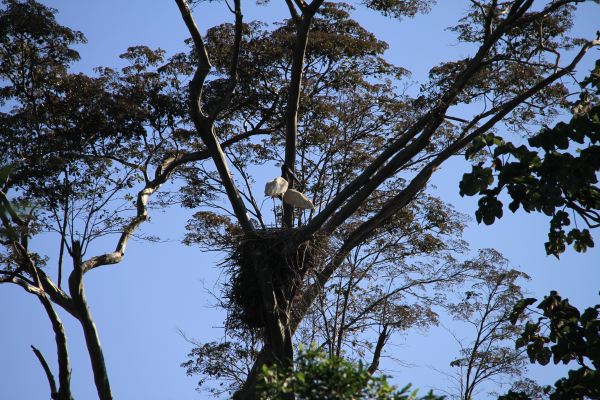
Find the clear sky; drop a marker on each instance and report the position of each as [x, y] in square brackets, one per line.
[140, 303]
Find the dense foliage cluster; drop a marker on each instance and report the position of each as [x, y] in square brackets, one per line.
[317, 376]
[557, 172]
[563, 334]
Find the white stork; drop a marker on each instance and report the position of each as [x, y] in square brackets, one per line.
[297, 199]
[276, 187]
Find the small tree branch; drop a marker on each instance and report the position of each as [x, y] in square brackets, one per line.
[163, 172]
[381, 340]
[47, 371]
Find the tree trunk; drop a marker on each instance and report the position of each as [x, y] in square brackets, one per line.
[64, 366]
[267, 356]
[90, 332]
[278, 344]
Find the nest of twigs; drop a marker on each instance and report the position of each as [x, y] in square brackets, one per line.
[272, 254]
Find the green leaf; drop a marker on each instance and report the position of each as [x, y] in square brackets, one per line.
[519, 308]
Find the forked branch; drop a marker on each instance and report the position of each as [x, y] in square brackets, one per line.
[162, 174]
[420, 180]
[416, 138]
[60, 337]
[205, 125]
[397, 203]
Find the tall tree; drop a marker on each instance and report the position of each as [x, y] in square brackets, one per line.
[76, 146]
[312, 96]
[500, 77]
[487, 306]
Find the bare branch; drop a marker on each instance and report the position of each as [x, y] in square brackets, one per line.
[22, 283]
[64, 366]
[233, 70]
[49, 376]
[162, 174]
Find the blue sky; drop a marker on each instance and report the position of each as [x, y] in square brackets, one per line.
[140, 304]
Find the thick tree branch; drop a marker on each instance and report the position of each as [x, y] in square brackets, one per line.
[418, 183]
[76, 288]
[205, 125]
[294, 91]
[354, 194]
[233, 70]
[63, 227]
[247, 391]
[56, 294]
[60, 337]
[203, 61]
[42, 282]
[293, 12]
[421, 179]
[37, 288]
[22, 283]
[364, 184]
[381, 340]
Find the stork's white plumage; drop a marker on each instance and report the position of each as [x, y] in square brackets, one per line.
[276, 187]
[297, 199]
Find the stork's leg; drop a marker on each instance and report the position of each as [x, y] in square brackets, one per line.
[274, 211]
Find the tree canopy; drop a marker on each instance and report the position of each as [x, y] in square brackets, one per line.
[311, 100]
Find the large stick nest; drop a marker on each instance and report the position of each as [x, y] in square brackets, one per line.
[283, 259]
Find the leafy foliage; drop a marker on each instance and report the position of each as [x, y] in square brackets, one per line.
[527, 389]
[229, 362]
[564, 334]
[556, 173]
[400, 8]
[317, 376]
[349, 110]
[79, 145]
